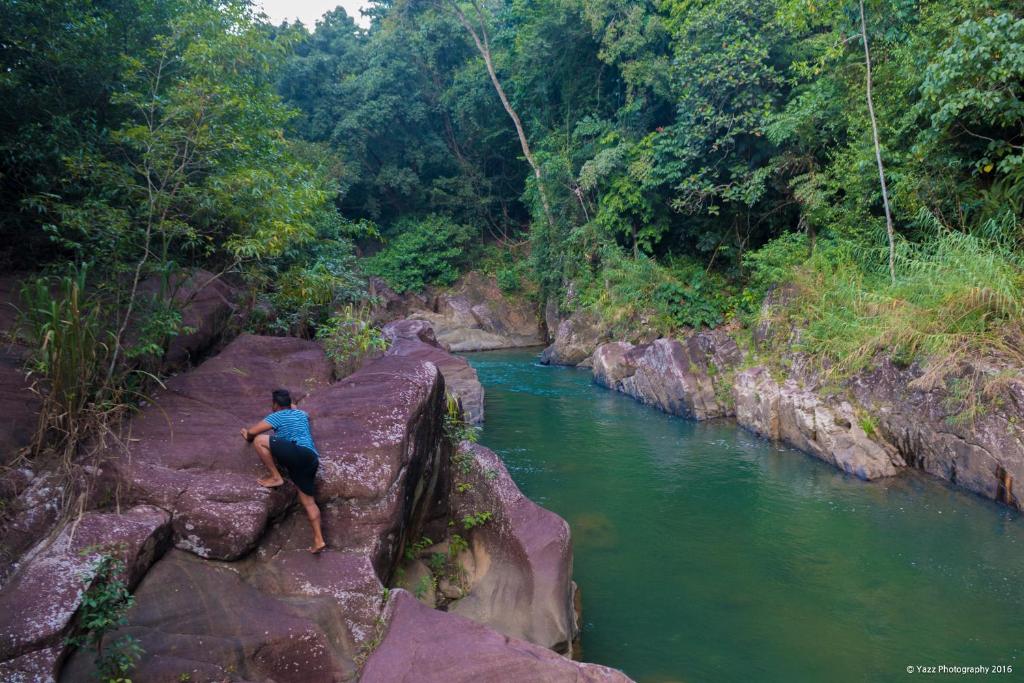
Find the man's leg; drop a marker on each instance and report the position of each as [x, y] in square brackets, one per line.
[262, 445]
[313, 512]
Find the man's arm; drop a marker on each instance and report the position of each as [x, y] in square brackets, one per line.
[250, 433]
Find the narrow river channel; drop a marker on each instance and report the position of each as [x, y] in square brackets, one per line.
[707, 554]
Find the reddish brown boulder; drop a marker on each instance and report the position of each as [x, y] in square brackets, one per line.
[37, 605]
[10, 287]
[277, 612]
[422, 645]
[519, 563]
[206, 622]
[185, 454]
[206, 303]
[415, 339]
[378, 433]
[389, 305]
[19, 406]
[345, 580]
[29, 514]
[38, 666]
[382, 456]
[280, 613]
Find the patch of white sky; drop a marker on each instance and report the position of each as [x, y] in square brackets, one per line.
[309, 11]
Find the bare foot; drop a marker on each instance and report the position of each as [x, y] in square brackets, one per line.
[270, 482]
[317, 548]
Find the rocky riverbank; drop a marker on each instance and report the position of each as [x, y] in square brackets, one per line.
[878, 423]
[224, 588]
[472, 315]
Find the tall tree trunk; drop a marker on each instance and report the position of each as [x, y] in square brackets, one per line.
[483, 46]
[878, 149]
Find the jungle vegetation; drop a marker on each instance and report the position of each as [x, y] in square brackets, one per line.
[664, 163]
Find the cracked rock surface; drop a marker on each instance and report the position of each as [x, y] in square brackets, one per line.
[225, 589]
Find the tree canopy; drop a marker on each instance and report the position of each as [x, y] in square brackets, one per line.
[690, 133]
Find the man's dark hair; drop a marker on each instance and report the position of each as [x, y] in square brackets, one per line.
[282, 398]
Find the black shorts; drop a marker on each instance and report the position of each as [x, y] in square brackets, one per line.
[301, 463]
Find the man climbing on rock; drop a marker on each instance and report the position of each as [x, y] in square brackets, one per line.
[291, 446]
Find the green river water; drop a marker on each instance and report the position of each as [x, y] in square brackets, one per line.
[707, 554]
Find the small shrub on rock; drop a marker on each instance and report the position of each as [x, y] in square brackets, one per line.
[104, 607]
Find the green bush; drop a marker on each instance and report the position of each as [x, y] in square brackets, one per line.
[310, 280]
[105, 604]
[669, 297]
[348, 337]
[508, 263]
[692, 297]
[771, 265]
[426, 251]
[510, 278]
[80, 383]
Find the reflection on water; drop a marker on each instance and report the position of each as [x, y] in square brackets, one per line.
[707, 554]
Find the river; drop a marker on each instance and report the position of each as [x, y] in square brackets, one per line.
[705, 553]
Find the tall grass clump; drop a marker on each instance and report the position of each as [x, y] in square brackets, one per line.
[85, 389]
[72, 347]
[957, 295]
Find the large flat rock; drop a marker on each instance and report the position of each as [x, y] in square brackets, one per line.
[473, 315]
[240, 598]
[280, 613]
[211, 621]
[422, 645]
[184, 452]
[382, 456]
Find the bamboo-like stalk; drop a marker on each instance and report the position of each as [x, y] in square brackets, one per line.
[878, 149]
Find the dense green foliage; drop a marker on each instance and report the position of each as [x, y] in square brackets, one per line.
[423, 251]
[142, 138]
[691, 133]
[692, 155]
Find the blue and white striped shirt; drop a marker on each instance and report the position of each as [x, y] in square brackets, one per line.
[292, 425]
